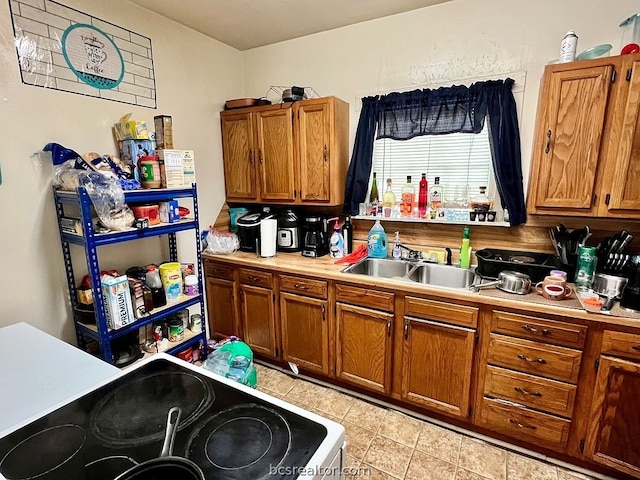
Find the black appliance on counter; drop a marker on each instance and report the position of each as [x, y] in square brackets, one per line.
[249, 229]
[316, 242]
[289, 231]
[228, 433]
[537, 265]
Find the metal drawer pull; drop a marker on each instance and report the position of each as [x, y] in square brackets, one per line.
[521, 356]
[521, 425]
[636, 347]
[524, 391]
[254, 279]
[301, 286]
[544, 331]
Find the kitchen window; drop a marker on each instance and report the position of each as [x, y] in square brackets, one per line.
[487, 106]
[462, 161]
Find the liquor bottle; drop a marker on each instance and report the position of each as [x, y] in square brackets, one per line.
[435, 195]
[374, 196]
[408, 198]
[422, 196]
[347, 234]
[388, 199]
[481, 202]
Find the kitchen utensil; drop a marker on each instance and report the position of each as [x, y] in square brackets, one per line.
[609, 286]
[508, 281]
[595, 52]
[166, 466]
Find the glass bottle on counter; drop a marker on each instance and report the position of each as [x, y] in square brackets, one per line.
[388, 199]
[422, 196]
[481, 202]
[152, 279]
[374, 196]
[407, 198]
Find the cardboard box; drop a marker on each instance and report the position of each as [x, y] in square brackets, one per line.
[188, 167]
[117, 300]
[171, 168]
[131, 151]
[164, 131]
[169, 211]
[127, 129]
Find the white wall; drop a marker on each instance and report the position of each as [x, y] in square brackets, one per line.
[440, 45]
[194, 76]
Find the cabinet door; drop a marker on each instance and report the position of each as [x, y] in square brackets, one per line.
[625, 193]
[615, 416]
[436, 365]
[239, 156]
[221, 308]
[258, 319]
[363, 347]
[275, 154]
[568, 138]
[314, 145]
[305, 332]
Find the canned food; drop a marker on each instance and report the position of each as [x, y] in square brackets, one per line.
[176, 331]
[586, 266]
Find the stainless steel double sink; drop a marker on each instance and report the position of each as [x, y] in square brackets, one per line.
[416, 271]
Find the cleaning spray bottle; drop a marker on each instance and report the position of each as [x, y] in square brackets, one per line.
[336, 242]
[377, 241]
[465, 249]
[397, 250]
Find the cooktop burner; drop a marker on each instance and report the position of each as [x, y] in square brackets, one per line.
[230, 434]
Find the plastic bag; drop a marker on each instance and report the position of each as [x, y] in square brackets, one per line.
[107, 197]
[221, 242]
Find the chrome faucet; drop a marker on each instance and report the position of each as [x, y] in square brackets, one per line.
[411, 254]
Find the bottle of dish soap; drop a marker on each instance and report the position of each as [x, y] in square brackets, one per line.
[397, 250]
[377, 241]
[336, 242]
[465, 249]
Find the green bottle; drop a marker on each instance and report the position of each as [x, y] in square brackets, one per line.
[465, 249]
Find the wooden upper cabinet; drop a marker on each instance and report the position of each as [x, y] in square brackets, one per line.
[568, 138]
[275, 153]
[586, 153]
[291, 153]
[238, 150]
[624, 192]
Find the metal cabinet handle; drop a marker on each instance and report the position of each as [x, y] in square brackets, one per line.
[254, 279]
[521, 425]
[325, 154]
[323, 309]
[301, 286]
[251, 156]
[636, 347]
[531, 329]
[406, 330]
[546, 150]
[388, 328]
[260, 155]
[524, 391]
[521, 356]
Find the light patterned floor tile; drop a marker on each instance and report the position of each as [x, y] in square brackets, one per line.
[462, 474]
[426, 467]
[358, 440]
[367, 472]
[325, 415]
[365, 414]
[305, 394]
[277, 382]
[388, 456]
[520, 467]
[400, 428]
[483, 459]
[439, 442]
[334, 403]
[564, 474]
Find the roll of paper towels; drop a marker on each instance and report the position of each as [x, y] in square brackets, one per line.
[268, 237]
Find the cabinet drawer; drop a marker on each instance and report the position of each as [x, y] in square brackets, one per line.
[541, 329]
[535, 392]
[256, 278]
[538, 358]
[218, 270]
[444, 312]
[305, 286]
[365, 297]
[534, 427]
[621, 344]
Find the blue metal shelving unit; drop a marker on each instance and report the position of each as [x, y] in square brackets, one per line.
[90, 241]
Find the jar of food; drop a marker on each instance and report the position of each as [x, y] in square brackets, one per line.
[176, 331]
[191, 285]
[150, 172]
[195, 323]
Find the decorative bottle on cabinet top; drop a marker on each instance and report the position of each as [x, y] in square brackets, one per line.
[422, 196]
[408, 198]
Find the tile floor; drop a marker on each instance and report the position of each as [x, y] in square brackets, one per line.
[384, 444]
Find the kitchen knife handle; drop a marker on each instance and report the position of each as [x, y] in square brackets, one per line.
[546, 150]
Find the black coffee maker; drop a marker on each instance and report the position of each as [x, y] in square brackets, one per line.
[315, 237]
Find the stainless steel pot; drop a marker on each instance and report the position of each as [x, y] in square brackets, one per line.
[508, 281]
[609, 286]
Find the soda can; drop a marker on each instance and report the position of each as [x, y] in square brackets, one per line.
[586, 266]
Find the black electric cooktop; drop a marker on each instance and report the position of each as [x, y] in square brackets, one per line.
[230, 434]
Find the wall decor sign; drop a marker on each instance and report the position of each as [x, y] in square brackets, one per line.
[61, 48]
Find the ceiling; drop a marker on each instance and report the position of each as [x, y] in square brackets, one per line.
[245, 24]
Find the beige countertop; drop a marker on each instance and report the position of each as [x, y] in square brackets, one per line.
[326, 268]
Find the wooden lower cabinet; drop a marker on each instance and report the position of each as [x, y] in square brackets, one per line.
[436, 366]
[305, 332]
[614, 439]
[364, 347]
[258, 319]
[221, 308]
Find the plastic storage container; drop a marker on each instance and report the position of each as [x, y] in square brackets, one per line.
[377, 241]
[234, 360]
